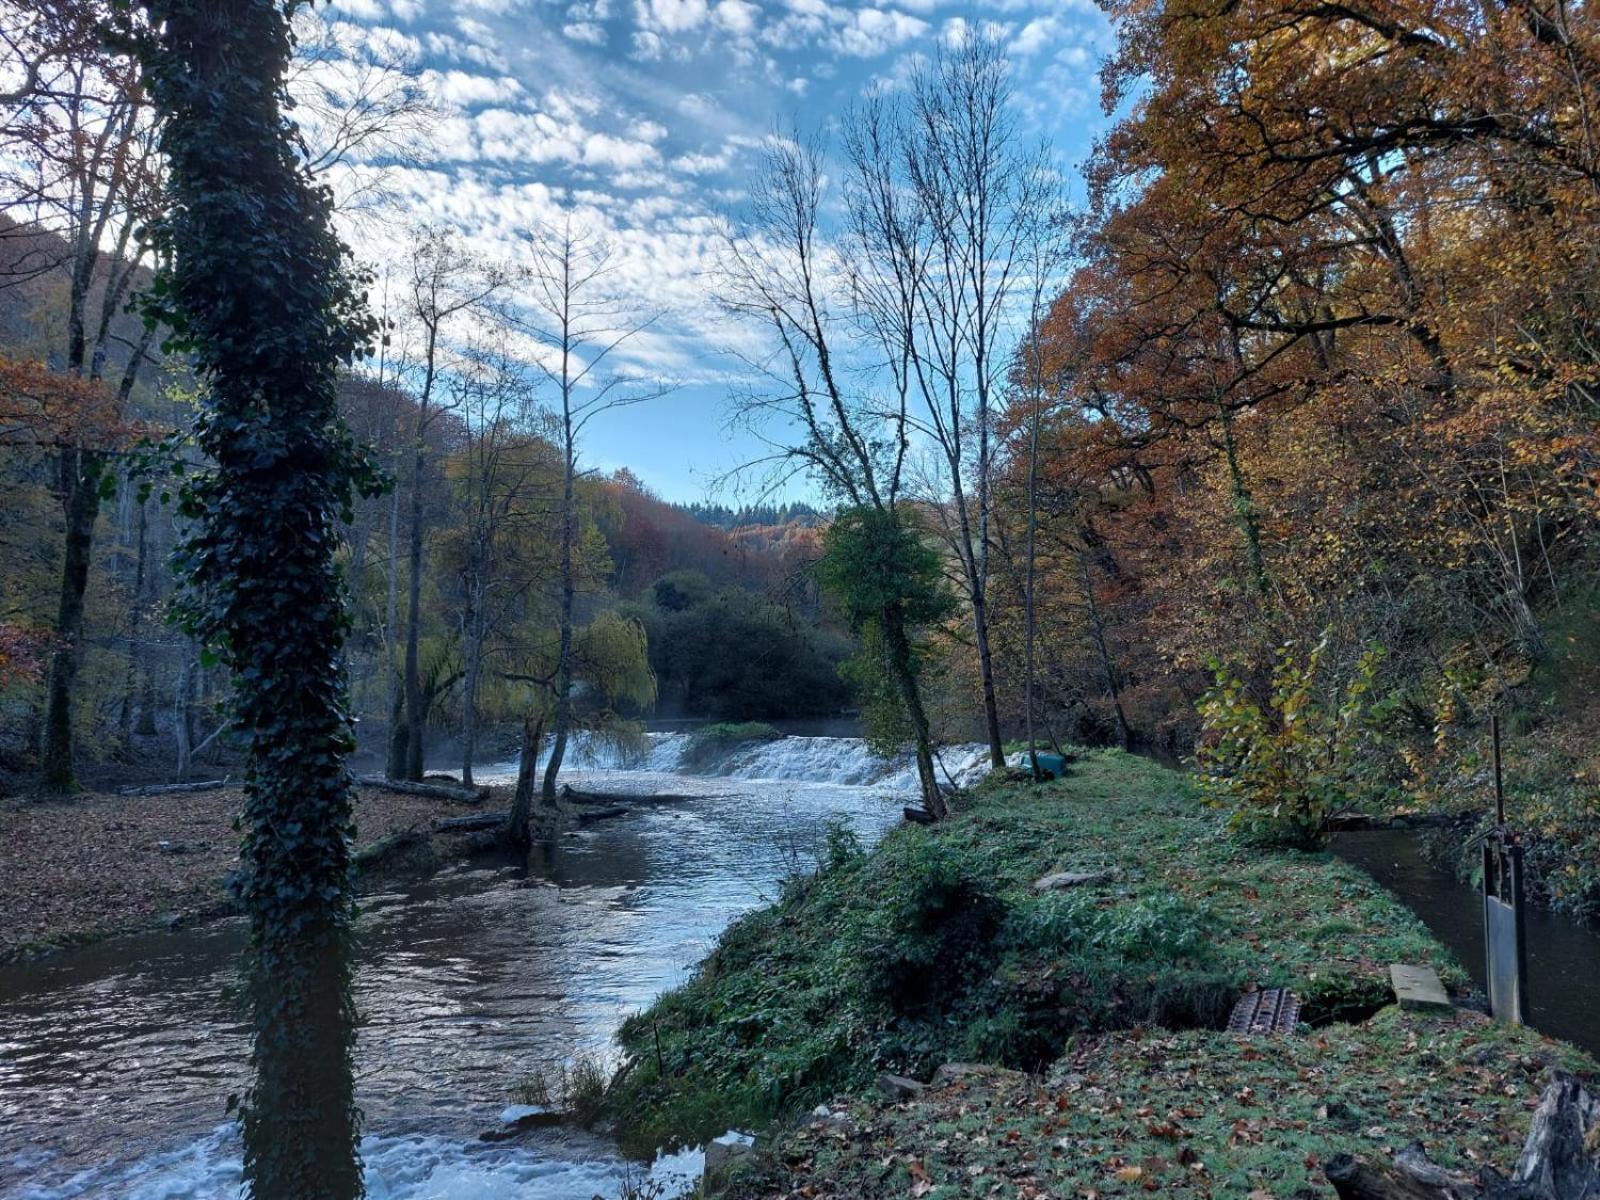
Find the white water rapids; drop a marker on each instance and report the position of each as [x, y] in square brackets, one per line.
[115, 1058]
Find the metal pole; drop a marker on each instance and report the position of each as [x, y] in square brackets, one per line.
[1499, 785]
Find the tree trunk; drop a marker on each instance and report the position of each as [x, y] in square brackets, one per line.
[563, 712]
[1244, 509]
[902, 668]
[130, 689]
[1108, 667]
[991, 706]
[80, 473]
[412, 768]
[517, 827]
[1559, 1161]
[180, 720]
[469, 700]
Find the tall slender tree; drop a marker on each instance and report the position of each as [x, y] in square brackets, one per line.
[260, 294]
[583, 322]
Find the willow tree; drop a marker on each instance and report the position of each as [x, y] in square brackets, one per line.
[259, 293]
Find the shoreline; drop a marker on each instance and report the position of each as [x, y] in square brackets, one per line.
[162, 862]
[1092, 1015]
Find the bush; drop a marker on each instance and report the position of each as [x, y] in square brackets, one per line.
[932, 930]
[709, 741]
[1282, 771]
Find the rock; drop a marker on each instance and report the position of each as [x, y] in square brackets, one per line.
[959, 1072]
[824, 1118]
[723, 1151]
[1072, 879]
[898, 1087]
[519, 1119]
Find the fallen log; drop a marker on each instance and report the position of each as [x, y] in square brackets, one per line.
[1560, 1160]
[573, 796]
[472, 824]
[918, 815]
[434, 791]
[603, 814]
[173, 789]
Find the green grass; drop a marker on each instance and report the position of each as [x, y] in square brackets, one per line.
[935, 948]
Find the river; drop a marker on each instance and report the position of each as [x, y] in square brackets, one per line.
[116, 1058]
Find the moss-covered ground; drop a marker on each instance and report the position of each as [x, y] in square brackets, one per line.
[936, 947]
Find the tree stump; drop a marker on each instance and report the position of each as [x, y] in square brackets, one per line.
[1559, 1161]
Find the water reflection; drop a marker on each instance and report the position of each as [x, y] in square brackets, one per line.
[464, 981]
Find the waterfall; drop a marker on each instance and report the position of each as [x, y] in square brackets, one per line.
[833, 760]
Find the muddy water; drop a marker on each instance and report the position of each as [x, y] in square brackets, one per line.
[115, 1059]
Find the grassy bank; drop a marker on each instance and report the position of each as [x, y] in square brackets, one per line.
[937, 947]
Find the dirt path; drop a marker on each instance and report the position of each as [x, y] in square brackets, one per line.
[97, 864]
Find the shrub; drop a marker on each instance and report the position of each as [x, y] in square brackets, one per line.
[1281, 771]
[932, 930]
[709, 741]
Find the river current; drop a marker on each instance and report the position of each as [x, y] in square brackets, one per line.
[116, 1059]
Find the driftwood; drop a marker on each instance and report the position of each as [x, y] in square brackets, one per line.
[435, 791]
[603, 814]
[1559, 1161]
[173, 789]
[477, 821]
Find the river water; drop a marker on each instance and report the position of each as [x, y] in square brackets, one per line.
[1563, 956]
[116, 1059]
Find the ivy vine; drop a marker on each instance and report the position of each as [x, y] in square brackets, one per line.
[259, 292]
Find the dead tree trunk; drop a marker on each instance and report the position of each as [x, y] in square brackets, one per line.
[1559, 1161]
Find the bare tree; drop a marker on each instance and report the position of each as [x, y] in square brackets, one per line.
[946, 198]
[446, 288]
[363, 112]
[852, 437]
[582, 321]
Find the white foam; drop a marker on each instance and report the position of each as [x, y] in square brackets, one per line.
[397, 1168]
[832, 760]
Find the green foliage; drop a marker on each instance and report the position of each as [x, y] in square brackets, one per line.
[709, 742]
[936, 947]
[875, 561]
[259, 293]
[889, 582]
[732, 655]
[1281, 771]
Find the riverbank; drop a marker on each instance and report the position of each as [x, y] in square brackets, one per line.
[939, 947]
[95, 865]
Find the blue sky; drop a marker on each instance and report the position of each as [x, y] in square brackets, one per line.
[642, 118]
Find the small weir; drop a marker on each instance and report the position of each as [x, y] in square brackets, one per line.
[116, 1058]
[1563, 956]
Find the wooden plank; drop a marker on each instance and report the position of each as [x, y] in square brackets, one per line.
[1417, 987]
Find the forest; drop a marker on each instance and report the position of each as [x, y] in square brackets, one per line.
[1262, 444]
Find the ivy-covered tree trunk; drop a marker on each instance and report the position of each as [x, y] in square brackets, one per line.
[260, 295]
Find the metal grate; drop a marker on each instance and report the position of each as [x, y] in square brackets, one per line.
[1270, 1010]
